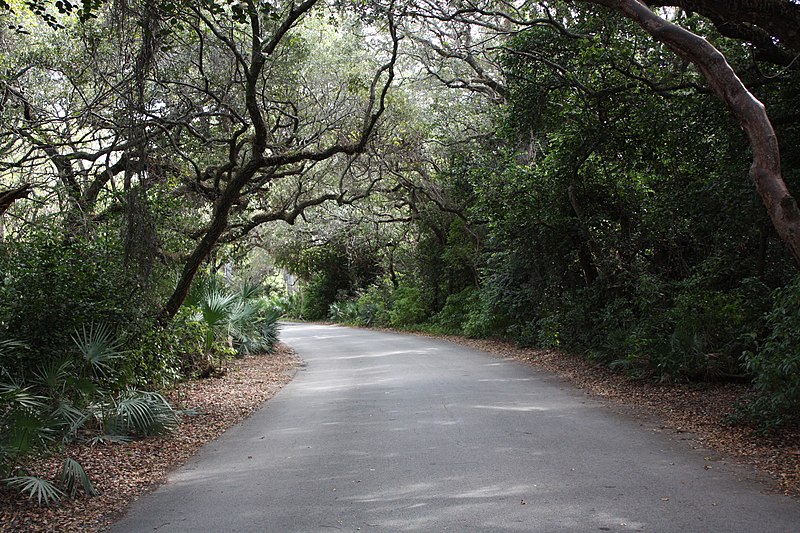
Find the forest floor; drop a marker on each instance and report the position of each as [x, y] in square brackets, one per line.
[123, 472]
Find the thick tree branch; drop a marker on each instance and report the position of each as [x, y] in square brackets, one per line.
[751, 113]
[779, 18]
[262, 159]
[9, 197]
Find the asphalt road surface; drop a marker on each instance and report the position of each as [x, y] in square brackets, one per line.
[387, 432]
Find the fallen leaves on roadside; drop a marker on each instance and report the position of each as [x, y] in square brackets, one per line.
[122, 472]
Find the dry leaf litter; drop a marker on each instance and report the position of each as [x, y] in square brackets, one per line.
[122, 472]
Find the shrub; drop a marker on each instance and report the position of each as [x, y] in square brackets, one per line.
[704, 343]
[51, 289]
[409, 307]
[318, 295]
[548, 330]
[290, 305]
[345, 312]
[679, 331]
[373, 306]
[240, 322]
[454, 314]
[252, 326]
[776, 365]
[162, 353]
[484, 317]
[76, 397]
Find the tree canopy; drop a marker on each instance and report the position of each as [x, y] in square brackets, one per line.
[611, 177]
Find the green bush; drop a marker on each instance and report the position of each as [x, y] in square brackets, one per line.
[408, 307]
[704, 343]
[50, 289]
[776, 365]
[345, 312]
[253, 326]
[454, 314]
[673, 331]
[484, 318]
[163, 353]
[289, 305]
[318, 295]
[241, 322]
[548, 331]
[77, 397]
[699, 335]
[373, 306]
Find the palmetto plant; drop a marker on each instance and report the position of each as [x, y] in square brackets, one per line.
[136, 413]
[258, 333]
[73, 476]
[68, 399]
[346, 312]
[34, 421]
[216, 310]
[244, 319]
[251, 290]
[99, 347]
[24, 421]
[44, 491]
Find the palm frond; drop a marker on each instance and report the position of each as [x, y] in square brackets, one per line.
[201, 288]
[11, 346]
[141, 413]
[54, 375]
[217, 307]
[197, 292]
[14, 395]
[270, 329]
[243, 325]
[246, 312]
[250, 290]
[26, 431]
[73, 476]
[99, 347]
[73, 417]
[35, 487]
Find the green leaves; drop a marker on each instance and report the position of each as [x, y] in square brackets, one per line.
[217, 307]
[53, 375]
[245, 316]
[139, 413]
[45, 492]
[99, 347]
[73, 476]
[18, 396]
[37, 488]
[776, 364]
[69, 399]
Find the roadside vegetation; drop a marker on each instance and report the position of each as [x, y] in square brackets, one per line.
[175, 176]
[599, 203]
[82, 362]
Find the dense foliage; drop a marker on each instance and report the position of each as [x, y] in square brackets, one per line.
[542, 172]
[99, 216]
[608, 212]
[79, 350]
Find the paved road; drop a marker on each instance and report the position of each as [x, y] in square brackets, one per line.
[385, 432]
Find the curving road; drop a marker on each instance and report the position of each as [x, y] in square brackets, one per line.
[387, 432]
